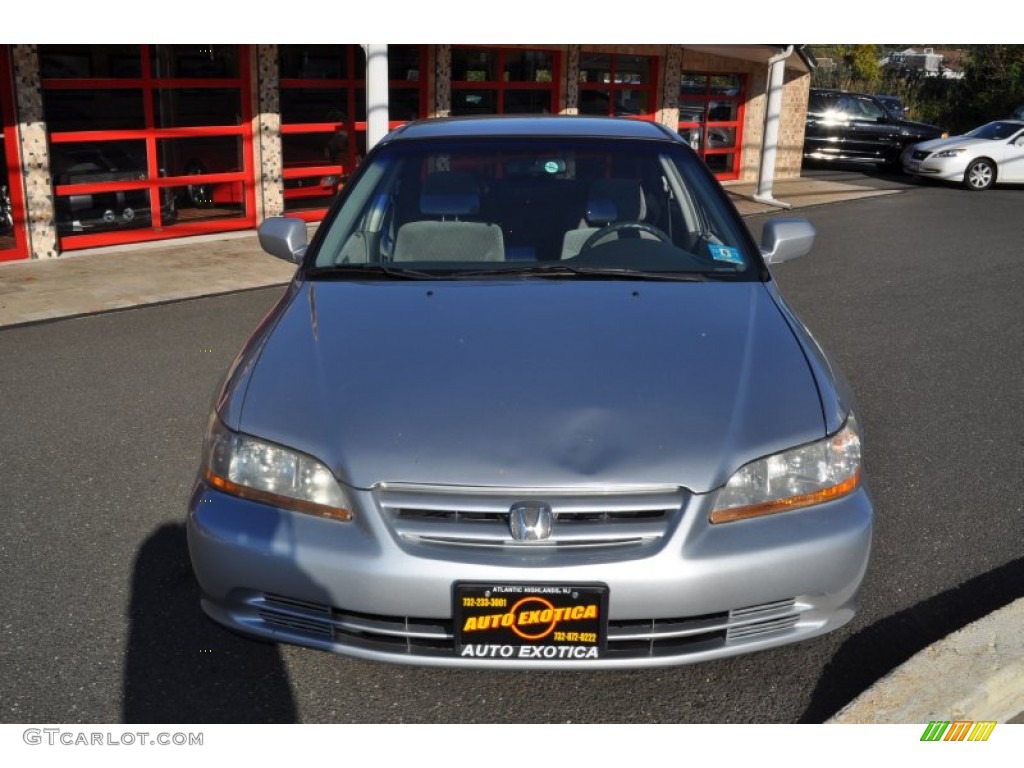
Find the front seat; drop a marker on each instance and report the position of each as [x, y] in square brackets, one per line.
[609, 201]
[448, 197]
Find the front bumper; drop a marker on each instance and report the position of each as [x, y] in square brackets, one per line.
[944, 169]
[379, 591]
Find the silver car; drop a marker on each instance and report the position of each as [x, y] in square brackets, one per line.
[532, 400]
[990, 154]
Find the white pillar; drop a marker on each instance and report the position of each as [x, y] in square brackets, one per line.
[770, 136]
[376, 93]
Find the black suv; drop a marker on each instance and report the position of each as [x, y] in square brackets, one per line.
[856, 127]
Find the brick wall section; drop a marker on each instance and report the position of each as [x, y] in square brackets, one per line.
[789, 156]
[269, 157]
[791, 129]
[35, 153]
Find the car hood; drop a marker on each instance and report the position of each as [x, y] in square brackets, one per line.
[532, 383]
[953, 141]
[920, 129]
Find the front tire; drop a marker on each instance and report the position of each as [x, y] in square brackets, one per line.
[980, 175]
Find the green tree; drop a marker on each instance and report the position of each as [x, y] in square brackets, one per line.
[993, 81]
[852, 67]
[862, 61]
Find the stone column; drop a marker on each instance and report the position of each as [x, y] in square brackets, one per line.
[270, 194]
[668, 114]
[35, 153]
[443, 81]
[572, 80]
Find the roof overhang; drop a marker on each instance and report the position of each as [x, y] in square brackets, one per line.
[801, 58]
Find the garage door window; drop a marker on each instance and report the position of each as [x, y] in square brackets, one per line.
[323, 115]
[615, 84]
[496, 81]
[711, 118]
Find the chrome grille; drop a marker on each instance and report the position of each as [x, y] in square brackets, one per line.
[388, 634]
[627, 639]
[478, 517]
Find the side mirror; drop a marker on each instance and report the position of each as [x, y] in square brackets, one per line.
[785, 239]
[284, 237]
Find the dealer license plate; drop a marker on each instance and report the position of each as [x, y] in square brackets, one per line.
[543, 622]
[913, 166]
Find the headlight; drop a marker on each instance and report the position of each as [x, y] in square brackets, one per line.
[811, 474]
[253, 469]
[950, 152]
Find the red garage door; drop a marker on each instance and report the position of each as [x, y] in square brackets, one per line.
[148, 141]
[13, 243]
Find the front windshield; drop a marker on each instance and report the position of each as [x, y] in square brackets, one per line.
[477, 206]
[997, 131]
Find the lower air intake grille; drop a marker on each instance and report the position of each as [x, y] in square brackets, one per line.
[627, 639]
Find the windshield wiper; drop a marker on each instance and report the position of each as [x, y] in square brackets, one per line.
[383, 271]
[548, 270]
[560, 269]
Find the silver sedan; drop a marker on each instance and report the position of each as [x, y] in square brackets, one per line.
[532, 400]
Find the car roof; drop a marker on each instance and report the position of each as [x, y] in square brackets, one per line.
[566, 126]
[839, 91]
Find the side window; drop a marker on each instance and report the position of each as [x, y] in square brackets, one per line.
[866, 109]
[833, 107]
[849, 108]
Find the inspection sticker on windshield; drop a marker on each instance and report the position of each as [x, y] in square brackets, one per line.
[530, 621]
[725, 253]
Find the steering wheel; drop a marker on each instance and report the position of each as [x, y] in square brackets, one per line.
[618, 226]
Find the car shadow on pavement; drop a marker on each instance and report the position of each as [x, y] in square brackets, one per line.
[183, 668]
[848, 172]
[877, 650]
